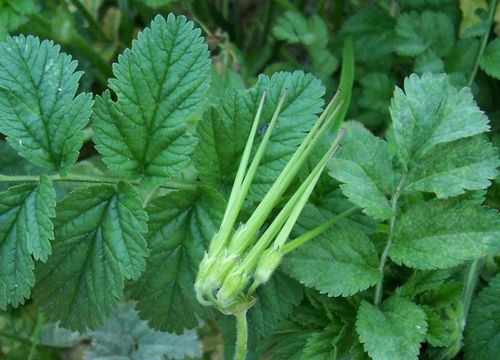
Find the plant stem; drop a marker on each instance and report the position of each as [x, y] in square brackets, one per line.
[394, 206]
[92, 179]
[302, 239]
[94, 26]
[484, 41]
[35, 336]
[470, 285]
[241, 335]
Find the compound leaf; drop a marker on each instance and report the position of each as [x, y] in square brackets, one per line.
[393, 331]
[431, 111]
[363, 165]
[220, 132]
[181, 226]
[125, 336]
[98, 244]
[25, 233]
[452, 168]
[340, 262]
[439, 234]
[482, 334]
[40, 115]
[159, 83]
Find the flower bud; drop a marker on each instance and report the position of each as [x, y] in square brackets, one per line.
[268, 262]
[233, 286]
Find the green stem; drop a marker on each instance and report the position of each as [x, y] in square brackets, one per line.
[93, 56]
[295, 243]
[484, 41]
[241, 336]
[470, 285]
[91, 179]
[94, 26]
[394, 206]
[35, 336]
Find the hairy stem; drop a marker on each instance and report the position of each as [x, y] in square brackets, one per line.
[302, 239]
[484, 41]
[383, 259]
[91, 179]
[241, 335]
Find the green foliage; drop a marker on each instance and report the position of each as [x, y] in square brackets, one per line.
[125, 335]
[398, 238]
[25, 233]
[491, 59]
[340, 263]
[98, 244]
[40, 115]
[181, 225]
[483, 327]
[159, 83]
[394, 331]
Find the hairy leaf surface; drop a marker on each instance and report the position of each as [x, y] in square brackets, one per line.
[364, 166]
[98, 244]
[159, 83]
[452, 168]
[431, 111]
[393, 331]
[39, 113]
[25, 233]
[440, 234]
[340, 262]
[181, 225]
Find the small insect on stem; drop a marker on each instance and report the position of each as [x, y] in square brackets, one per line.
[263, 128]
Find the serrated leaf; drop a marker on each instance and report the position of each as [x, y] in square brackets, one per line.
[431, 111]
[159, 83]
[125, 336]
[181, 225]
[40, 115]
[452, 168]
[98, 244]
[440, 234]
[482, 334]
[341, 262]
[363, 165]
[25, 233]
[490, 60]
[294, 28]
[220, 132]
[393, 331]
[437, 334]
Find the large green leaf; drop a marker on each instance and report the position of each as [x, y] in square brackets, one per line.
[39, 113]
[181, 225]
[125, 336]
[341, 262]
[393, 331]
[431, 111]
[452, 168]
[160, 83]
[223, 130]
[440, 234]
[364, 165]
[482, 334]
[25, 233]
[98, 244]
